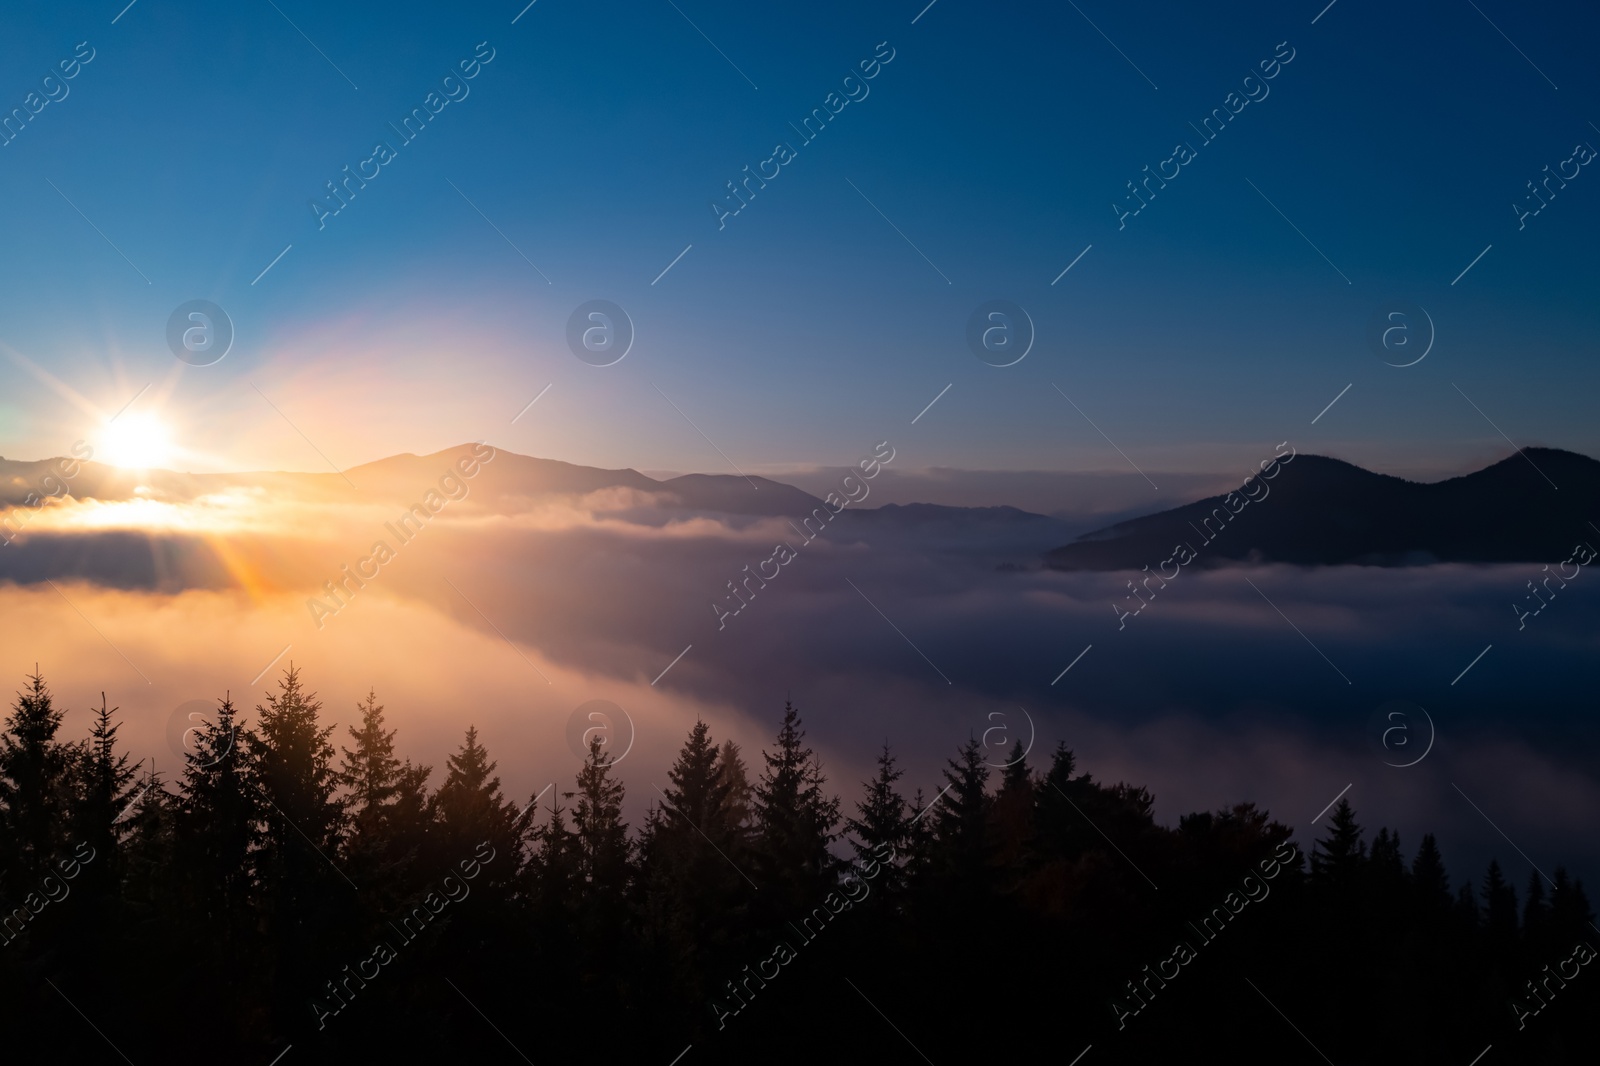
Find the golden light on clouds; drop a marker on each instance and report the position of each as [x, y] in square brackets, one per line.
[436, 673]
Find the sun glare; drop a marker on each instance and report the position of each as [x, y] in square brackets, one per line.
[138, 441]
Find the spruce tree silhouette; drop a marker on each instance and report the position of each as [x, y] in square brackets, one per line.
[1386, 864]
[919, 868]
[230, 898]
[553, 879]
[306, 902]
[218, 826]
[1570, 916]
[102, 792]
[104, 789]
[470, 811]
[553, 889]
[605, 854]
[387, 803]
[797, 822]
[1013, 819]
[735, 776]
[961, 827]
[1059, 824]
[36, 789]
[1337, 859]
[1428, 878]
[882, 821]
[603, 883]
[1500, 915]
[150, 891]
[697, 888]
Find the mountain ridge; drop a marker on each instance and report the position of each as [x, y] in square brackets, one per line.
[1316, 510]
[1319, 511]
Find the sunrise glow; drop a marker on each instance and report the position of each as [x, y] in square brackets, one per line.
[695, 533]
[137, 442]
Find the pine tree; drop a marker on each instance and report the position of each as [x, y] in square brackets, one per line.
[959, 822]
[1337, 859]
[470, 812]
[36, 777]
[307, 901]
[1059, 824]
[1232, 838]
[102, 802]
[919, 866]
[1569, 909]
[1133, 802]
[371, 772]
[104, 797]
[105, 785]
[697, 796]
[1013, 816]
[388, 803]
[553, 887]
[883, 824]
[960, 825]
[883, 819]
[732, 774]
[554, 878]
[604, 851]
[1062, 763]
[217, 828]
[291, 770]
[410, 813]
[797, 820]
[150, 887]
[1428, 877]
[1500, 906]
[1016, 776]
[693, 871]
[1386, 863]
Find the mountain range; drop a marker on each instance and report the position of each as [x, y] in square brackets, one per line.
[1532, 506]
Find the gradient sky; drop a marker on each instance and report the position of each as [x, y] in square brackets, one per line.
[996, 140]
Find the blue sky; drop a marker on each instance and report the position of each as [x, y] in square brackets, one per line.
[1208, 329]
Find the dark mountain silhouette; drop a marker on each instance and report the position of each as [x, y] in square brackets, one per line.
[400, 475]
[508, 483]
[402, 478]
[929, 513]
[989, 536]
[503, 484]
[1533, 506]
[735, 495]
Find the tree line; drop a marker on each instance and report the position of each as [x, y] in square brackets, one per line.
[294, 888]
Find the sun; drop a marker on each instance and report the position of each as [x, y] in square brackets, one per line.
[141, 442]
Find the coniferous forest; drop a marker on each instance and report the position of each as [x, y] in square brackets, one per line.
[298, 893]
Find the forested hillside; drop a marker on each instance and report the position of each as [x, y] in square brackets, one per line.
[300, 891]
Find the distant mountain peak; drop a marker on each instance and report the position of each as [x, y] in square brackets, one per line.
[1531, 506]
